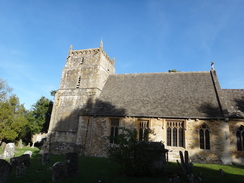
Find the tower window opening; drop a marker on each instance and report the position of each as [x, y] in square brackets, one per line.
[78, 82]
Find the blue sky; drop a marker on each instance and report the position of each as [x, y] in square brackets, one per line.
[142, 35]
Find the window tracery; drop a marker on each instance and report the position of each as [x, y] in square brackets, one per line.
[240, 138]
[204, 136]
[175, 133]
[144, 131]
[114, 131]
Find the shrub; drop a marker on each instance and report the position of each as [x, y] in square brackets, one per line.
[138, 158]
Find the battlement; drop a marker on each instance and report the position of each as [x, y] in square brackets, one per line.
[90, 51]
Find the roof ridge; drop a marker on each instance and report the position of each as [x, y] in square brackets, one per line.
[159, 73]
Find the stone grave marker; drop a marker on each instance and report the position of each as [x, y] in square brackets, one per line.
[20, 164]
[3, 145]
[45, 158]
[9, 150]
[20, 144]
[28, 152]
[72, 164]
[5, 169]
[59, 172]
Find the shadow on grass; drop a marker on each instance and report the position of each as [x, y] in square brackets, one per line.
[92, 169]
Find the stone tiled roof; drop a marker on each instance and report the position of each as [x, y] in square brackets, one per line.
[169, 95]
[234, 99]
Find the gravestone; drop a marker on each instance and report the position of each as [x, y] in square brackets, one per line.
[5, 169]
[3, 145]
[9, 150]
[20, 170]
[20, 144]
[221, 172]
[28, 152]
[23, 159]
[20, 164]
[45, 158]
[72, 164]
[59, 172]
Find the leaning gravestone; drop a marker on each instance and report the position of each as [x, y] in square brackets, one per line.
[3, 145]
[9, 150]
[72, 164]
[5, 169]
[59, 172]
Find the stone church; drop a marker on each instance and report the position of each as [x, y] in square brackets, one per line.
[184, 110]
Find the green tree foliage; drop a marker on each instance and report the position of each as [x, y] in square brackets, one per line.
[18, 123]
[53, 92]
[39, 116]
[4, 90]
[12, 118]
[138, 158]
[173, 70]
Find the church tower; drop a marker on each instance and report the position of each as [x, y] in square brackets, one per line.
[83, 78]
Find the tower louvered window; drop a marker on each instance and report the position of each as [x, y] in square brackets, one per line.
[144, 130]
[204, 135]
[114, 131]
[240, 138]
[175, 133]
[78, 82]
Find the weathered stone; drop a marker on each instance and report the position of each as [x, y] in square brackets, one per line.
[5, 169]
[20, 170]
[72, 164]
[74, 121]
[20, 164]
[45, 158]
[20, 144]
[221, 172]
[83, 79]
[3, 145]
[9, 150]
[20, 160]
[28, 152]
[59, 171]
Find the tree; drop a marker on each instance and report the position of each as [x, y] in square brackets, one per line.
[173, 70]
[12, 118]
[12, 114]
[4, 90]
[39, 116]
[53, 92]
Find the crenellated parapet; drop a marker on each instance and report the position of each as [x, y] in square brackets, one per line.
[92, 51]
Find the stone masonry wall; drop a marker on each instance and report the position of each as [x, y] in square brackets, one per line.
[83, 78]
[219, 145]
[237, 156]
[96, 130]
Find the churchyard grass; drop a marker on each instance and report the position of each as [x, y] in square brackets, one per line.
[92, 169]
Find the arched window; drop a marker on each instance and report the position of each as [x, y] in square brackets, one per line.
[144, 131]
[204, 136]
[175, 133]
[114, 131]
[168, 136]
[240, 138]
